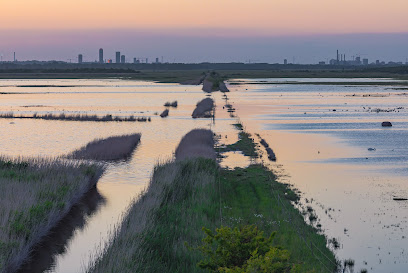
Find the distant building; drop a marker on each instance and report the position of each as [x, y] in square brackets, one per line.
[101, 55]
[377, 62]
[147, 60]
[157, 60]
[118, 57]
[322, 63]
[122, 59]
[109, 61]
[285, 61]
[80, 58]
[358, 60]
[365, 61]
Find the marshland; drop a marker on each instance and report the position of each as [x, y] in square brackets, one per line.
[323, 154]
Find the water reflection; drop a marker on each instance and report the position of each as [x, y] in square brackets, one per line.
[235, 159]
[324, 154]
[43, 256]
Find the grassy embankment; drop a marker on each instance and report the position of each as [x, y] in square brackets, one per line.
[78, 117]
[186, 195]
[111, 148]
[195, 76]
[35, 194]
[214, 82]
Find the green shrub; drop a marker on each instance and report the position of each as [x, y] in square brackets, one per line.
[243, 250]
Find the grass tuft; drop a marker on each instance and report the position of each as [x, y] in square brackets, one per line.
[111, 148]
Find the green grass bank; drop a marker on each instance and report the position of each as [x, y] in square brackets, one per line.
[186, 195]
[35, 194]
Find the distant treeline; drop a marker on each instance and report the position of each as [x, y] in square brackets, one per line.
[61, 67]
[71, 70]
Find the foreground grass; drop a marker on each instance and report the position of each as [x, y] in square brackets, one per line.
[180, 200]
[252, 196]
[34, 195]
[186, 195]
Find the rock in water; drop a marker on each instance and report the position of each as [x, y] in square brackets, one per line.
[165, 113]
[386, 124]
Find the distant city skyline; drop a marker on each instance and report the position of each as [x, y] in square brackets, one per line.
[187, 47]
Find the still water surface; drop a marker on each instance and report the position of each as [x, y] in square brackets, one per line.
[90, 226]
[321, 135]
[323, 153]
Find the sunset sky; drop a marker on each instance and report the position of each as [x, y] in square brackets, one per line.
[25, 25]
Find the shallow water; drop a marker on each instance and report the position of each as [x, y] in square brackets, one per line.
[93, 222]
[324, 154]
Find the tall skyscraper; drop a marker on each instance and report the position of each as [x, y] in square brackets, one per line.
[80, 58]
[118, 57]
[101, 55]
[122, 59]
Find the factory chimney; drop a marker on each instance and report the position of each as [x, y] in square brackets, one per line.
[337, 56]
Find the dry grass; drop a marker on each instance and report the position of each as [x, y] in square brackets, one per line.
[197, 143]
[204, 109]
[78, 117]
[111, 148]
[142, 238]
[35, 194]
[171, 183]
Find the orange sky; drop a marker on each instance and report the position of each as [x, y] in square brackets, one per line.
[266, 16]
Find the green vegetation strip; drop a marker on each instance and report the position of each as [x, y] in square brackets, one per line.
[245, 144]
[163, 227]
[34, 195]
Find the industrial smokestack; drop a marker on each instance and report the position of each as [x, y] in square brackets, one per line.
[14, 57]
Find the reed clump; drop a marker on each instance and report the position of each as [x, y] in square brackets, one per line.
[197, 143]
[35, 194]
[77, 117]
[111, 148]
[204, 109]
[173, 104]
